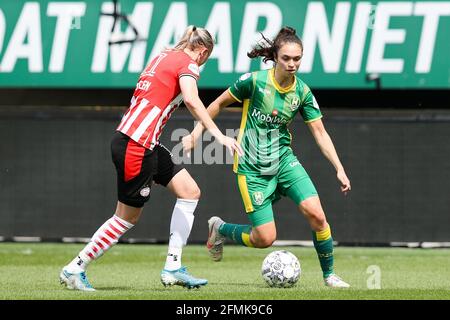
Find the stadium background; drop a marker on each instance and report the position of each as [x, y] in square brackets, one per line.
[380, 72]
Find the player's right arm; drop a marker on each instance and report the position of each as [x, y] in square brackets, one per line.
[189, 90]
[224, 100]
[240, 90]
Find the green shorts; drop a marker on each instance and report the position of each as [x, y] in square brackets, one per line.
[258, 192]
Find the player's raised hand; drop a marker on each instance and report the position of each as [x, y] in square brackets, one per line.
[232, 145]
[188, 144]
[345, 182]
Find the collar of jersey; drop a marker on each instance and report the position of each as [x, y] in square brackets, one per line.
[279, 88]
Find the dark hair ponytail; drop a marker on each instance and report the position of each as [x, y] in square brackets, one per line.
[269, 48]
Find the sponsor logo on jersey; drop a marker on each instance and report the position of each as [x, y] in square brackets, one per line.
[143, 85]
[145, 192]
[272, 119]
[258, 198]
[295, 102]
[194, 68]
[264, 91]
[294, 163]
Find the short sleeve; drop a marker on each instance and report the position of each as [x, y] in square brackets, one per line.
[242, 88]
[310, 110]
[189, 68]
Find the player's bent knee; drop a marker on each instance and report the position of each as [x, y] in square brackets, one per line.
[191, 192]
[321, 223]
[264, 242]
[315, 216]
[195, 193]
[318, 223]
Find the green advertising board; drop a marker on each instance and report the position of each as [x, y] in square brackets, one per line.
[61, 44]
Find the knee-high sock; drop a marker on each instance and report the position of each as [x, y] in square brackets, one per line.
[323, 242]
[102, 240]
[180, 229]
[239, 233]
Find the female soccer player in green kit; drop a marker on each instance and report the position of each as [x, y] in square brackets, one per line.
[269, 169]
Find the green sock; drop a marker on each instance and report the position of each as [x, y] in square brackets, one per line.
[239, 233]
[323, 242]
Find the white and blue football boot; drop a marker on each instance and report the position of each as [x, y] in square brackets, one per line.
[75, 281]
[182, 278]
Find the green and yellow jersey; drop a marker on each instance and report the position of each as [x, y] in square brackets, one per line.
[268, 109]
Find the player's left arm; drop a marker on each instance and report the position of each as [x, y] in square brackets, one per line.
[326, 145]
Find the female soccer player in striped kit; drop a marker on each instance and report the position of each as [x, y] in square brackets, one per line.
[139, 158]
[269, 169]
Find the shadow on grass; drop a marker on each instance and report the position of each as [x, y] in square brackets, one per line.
[103, 289]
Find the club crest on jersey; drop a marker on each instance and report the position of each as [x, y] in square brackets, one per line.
[145, 192]
[258, 198]
[295, 102]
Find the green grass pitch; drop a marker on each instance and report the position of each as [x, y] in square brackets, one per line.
[30, 271]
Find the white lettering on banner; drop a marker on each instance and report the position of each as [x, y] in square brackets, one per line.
[173, 27]
[28, 28]
[382, 35]
[431, 10]
[22, 41]
[249, 32]
[2, 29]
[65, 13]
[120, 53]
[331, 43]
[358, 37]
[219, 25]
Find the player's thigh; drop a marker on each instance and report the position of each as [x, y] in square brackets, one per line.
[135, 167]
[175, 177]
[257, 192]
[313, 211]
[294, 182]
[261, 217]
[264, 234]
[183, 186]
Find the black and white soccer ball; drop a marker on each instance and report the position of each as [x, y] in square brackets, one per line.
[281, 269]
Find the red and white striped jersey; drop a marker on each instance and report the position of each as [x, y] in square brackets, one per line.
[156, 96]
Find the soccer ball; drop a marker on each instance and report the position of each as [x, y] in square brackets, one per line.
[281, 269]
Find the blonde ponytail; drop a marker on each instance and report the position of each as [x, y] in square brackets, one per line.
[195, 37]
